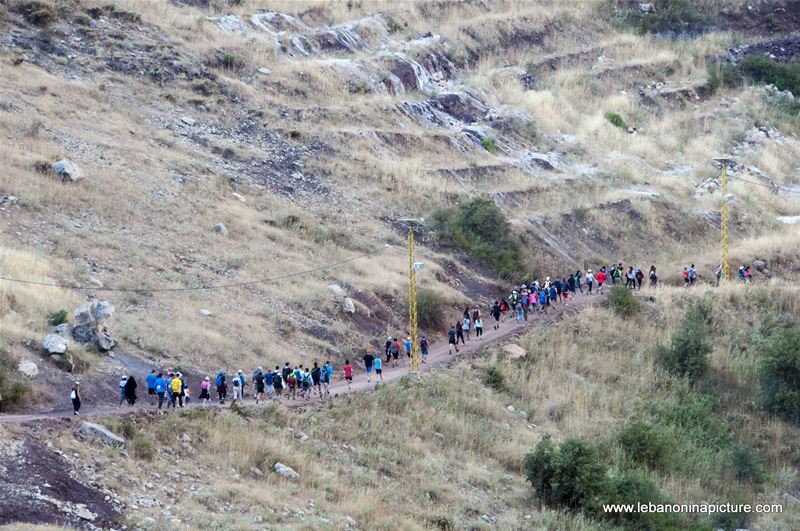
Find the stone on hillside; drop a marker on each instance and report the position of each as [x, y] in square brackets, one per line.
[67, 170]
[187, 120]
[555, 411]
[90, 324]
[84, 514]
[55, 344]
[759, 265]
[240, 197]
[514, 351]
[206, 313]
[64, 330]
[285, 471]
[105, 435]
[220, 228]
[264, 71]
[348, 305]
[301, 436]
[789, 220]
[9, 200]
[338, 291]
[28, 368]
[256, 472]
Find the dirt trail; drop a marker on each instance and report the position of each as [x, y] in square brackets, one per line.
[438, 357]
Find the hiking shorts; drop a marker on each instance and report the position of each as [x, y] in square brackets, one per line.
[151, 391]
[378, 371]
[369, 368]
[395, 355]
[348, 378]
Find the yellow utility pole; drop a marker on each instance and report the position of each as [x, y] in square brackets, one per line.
[723, 225]
[412, 304]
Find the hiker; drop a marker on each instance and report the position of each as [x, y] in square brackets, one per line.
[423, 348]
[476, 314]
[408, 348]
[686, 277]
[552, 294]
[394, 352]
[329, 369]
[268, 386]
[379, 367]
[242, 382]
[161, 387]
[519, 314]
[308, 383]
[316, 378]
[630, 278]
[542, 301]
[205, 397]
[452, 339]
[496, 314]
[369, 360]
[601, 277]
[348, 373]
[578, 279]
[387, 348]
[130, 391]
[639, 277]
[285, 372]
[589, 281]
[236, 385]
[460, 334]
[151, 386]
[122, 383]
[75, 396]
[465, 325]
[615, 275]
[177, 391]
[503, 310]
[565, 291]
[653, 276]
[466, 312]
[258, 381]
[559, 288]
[222, 388]
[478, 328]
[692, 275]
[277, 382]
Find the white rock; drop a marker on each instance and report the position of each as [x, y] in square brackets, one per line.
[28, 368]
[220, 228]
[102, 433]
[85, 514]
[206, 313]
[188, 120]
[67, 170]
[348, 305]
[264, 71]
[238, 196]
[285, 471]
[55, 344]
[338, 291]
[510, 408]
[789, 220]
[256, 472]
[514, 351]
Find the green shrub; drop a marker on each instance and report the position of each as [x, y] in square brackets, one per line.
[12, 388]
[489, 144]
[229, 60]
[56, 318]
[644, 444]
[762, 69]
[688, 350]
[392, 25]
[616, 120]
[431, 308]
[35, 11]
[623, 302]
[541, 469]
[494, 379]
[480, 227]
[747, 463]
[779, 374]
[142, 448]
[668, 16]
[629, 489]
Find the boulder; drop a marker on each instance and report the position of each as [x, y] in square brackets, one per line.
[55, 344]
[84, 514]
[63, 330]
[102, 433]
[205, 313]
[256, 472]
[285, 471]
[188, 120]
[264, 71]
[28, 368]
[514, 351]
[759, 265]
[67, 170]
[348, 305]
[89, 324]
[220, 228]
[338, 292]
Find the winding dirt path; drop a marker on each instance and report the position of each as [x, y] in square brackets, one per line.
[439, 357]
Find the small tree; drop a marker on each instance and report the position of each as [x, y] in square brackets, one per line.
[688, 350]
[623, 302]
[779, 374]
[644, 444]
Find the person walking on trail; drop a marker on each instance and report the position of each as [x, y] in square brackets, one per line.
[423, 348]
[692, 275]
[236, 385]
[130, 391]
[559, 288]
[476, 314]
[408, 348]
[222, 388]
[601, 277]
[452, 339]
[161, 388]
[571, 284]
[122, 382]
[466, 313]
[277, 382]
[460, 333]
[686, 277]
[329, 370]
[348, 373]
[308, 383]
[394, 352]
[639, 275]
[205, 394]
[75, 396]
[369, 361]
[496, 314]
[242, 383]
[553, 295]
[503, 310]
[258, 382]
[285, 372]
[151, 386]
[177, 390]
[519, 314]
[653, 276]
[325, 379]
[379, 368]
[630, 278]
[589, 281]
[268, 386]
[386, 349]
[479, 328]
[565, 291]
[316, 379]
[578, 278]
[465, 326]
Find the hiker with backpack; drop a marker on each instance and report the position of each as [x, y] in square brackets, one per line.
[242, 383]
[394, 352]
[653, 276]
[423, 348]
[236, 386]
[639, 276]
[151, 386]
[578, 279]
[316, 379]
[75, 396]
[308, 383]
[348, 372]
[692, 275]
[277, 382]
[496, 314]
[408, 348]
[222, 388]
[369, 360]
[452, 339]
[205, 395]
[503, 310]
[258, 381]
[161, 389]
[122, 382]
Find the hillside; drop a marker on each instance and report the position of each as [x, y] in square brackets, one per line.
[244, 172]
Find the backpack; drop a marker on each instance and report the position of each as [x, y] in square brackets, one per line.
[236, 381]
[73, 395]
[393, 348]
[219, 380]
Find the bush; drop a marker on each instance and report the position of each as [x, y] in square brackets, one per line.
[779, 374]
[630, 490]
[623, 302]
[644, 444]
[481, 228]
[494, 379]
[57, 318]
[667, 16]
[431, 307]
[747, 463]
[616, 120]
[35, 12]
[762, 69]
[687, 353]
[489, 144]
[12, 389]
[142, 448]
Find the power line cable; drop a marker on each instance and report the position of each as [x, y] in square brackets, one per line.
[199, 288]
